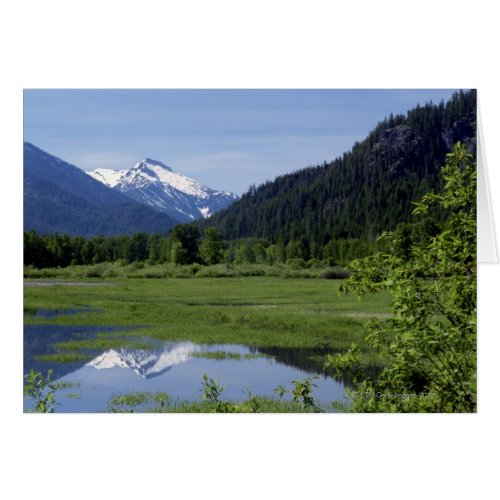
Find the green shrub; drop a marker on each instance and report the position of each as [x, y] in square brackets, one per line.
[299, 273]
[41, 391]
[134, 266]
[296, 264]
[430, 342]
[195, 267]
[250, 270]
[313, 264]
[216, 271]
[182, 272]
[111, 272]
[302, 393]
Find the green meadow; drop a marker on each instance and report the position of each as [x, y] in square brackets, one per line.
[255, 311]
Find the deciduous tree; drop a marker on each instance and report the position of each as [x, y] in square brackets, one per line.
[429, 343]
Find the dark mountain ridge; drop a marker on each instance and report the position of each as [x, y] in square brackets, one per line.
[67, 177]
[60, 197]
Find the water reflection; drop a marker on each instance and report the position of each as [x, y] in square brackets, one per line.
[312, 359]
[173, 367]
[178, 368]
[39, 340]
[146, 364]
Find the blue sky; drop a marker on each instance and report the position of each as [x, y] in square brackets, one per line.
[227, 139]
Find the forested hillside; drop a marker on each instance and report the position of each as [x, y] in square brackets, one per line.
[325, 215]
[367, 190]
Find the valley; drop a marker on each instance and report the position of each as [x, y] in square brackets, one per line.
[146, 290]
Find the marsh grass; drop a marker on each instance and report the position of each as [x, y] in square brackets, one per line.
[72, 395]
[103, 341]
[86, 349]
[253, 311]
[223, 355]
[64, 357]
[160, 402]
[132, 399]
[61, 384]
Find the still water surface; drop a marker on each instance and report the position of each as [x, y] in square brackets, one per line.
[176, 368]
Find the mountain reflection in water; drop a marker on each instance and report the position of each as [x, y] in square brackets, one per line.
[176, 368]
[147, 364]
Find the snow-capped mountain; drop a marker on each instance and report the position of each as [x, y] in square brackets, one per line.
[147, 364]
[156, 185]
[60, 197]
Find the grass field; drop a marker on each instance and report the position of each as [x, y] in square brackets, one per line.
[254, 311]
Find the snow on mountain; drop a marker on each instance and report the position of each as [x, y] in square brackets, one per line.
[61, 197]
[155, 184]
[107, 176]
[147, 364]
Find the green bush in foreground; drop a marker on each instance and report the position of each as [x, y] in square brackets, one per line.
[430, 343]
[40, 389]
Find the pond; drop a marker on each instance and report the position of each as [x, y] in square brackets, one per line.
[176, 368]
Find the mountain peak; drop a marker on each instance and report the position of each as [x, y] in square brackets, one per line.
[155, 184]
[149, 162]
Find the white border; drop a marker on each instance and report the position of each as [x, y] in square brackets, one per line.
[235, 44]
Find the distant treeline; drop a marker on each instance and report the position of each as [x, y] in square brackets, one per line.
[186, 245]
